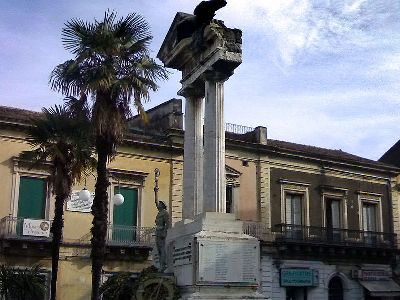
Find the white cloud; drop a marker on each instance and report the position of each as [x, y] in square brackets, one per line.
[298, 27]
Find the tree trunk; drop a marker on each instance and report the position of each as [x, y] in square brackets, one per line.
[99, 211]
[56, 229]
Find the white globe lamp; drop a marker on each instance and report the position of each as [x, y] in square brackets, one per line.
[84, 195]
[118, 199]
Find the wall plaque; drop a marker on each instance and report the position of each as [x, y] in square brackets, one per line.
[182, 254]
[78, 205]
[226, 261]
[36, 228]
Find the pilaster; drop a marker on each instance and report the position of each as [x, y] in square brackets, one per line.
[263, 181]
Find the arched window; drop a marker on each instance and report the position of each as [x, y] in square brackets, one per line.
[335, 289]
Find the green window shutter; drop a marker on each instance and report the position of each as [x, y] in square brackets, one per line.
[125, 217]
[126, 213]
[32, 198]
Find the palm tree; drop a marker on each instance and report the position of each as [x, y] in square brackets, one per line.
[55, 139]
[112, 67]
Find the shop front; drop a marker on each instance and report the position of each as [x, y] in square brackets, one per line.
[377, 284]
[297, 281]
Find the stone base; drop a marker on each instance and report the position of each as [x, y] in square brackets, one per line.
[211, 258]
[208, 293]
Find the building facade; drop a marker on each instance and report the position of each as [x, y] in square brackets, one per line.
[326, 219]
[27, 205]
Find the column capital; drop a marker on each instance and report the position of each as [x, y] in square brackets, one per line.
[216, 76]
[192, 91]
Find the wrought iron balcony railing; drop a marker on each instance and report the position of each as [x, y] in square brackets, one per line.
[120, 235]
[25, 228]
[321, 235]
[335, 236]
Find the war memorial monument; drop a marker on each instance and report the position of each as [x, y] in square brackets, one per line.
[207, 251]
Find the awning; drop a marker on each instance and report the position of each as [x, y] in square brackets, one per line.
[383, 288]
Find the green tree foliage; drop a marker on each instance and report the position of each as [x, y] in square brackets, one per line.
[22, 284]
[112, 67]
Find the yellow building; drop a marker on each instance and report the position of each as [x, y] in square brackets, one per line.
[26, 197]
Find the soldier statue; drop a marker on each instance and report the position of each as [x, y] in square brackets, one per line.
[162, 225]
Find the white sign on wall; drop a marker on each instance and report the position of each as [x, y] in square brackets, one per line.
[79, 205]
[36, 228]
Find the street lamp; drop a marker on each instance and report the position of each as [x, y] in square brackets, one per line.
[118, 199]
[84, 195]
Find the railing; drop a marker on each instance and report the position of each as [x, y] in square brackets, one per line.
[24, 228]
[320, 235]
[238, 129]
[258, 230]
[335, 236]
[120, 235]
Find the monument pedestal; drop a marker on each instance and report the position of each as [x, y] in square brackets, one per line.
[211, 258]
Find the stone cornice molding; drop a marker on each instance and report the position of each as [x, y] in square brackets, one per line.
[128, 176]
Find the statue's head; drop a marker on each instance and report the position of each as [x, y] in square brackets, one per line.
[161, 205]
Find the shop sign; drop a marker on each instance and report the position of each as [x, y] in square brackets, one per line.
[299, 277]
[79, 205]
[36, 228]
[371, 275]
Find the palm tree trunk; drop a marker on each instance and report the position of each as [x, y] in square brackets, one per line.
[99, 211]
[56, 229]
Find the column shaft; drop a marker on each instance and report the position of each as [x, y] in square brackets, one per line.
[214, 148]
[193, 158]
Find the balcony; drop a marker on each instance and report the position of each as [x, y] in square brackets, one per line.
[123, 242]
[335, 236]
[295, 240]
[24, 235]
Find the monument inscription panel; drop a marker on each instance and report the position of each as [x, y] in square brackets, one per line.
[226, 261]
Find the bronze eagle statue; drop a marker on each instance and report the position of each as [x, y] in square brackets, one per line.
[203, 15]
[205, 11]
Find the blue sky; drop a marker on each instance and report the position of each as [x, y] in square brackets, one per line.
[323, 73]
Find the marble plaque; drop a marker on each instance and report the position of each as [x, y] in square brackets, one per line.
[182, 253]
[222, 262]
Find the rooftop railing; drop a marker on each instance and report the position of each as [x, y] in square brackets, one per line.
[238, 129]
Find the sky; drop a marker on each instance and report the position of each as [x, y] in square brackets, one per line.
[317, 72]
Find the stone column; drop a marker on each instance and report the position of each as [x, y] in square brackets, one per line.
[193, 155]
[214, 144]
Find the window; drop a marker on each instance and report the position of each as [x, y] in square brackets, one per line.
[294, 204]
[294, 209]
[333, 219]
[125, 215]
[232, 190]
[369, 216]
[129, 183]
[30, 191]
[229, 199]
[334, 207]
[333, 213]
[31, 198]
